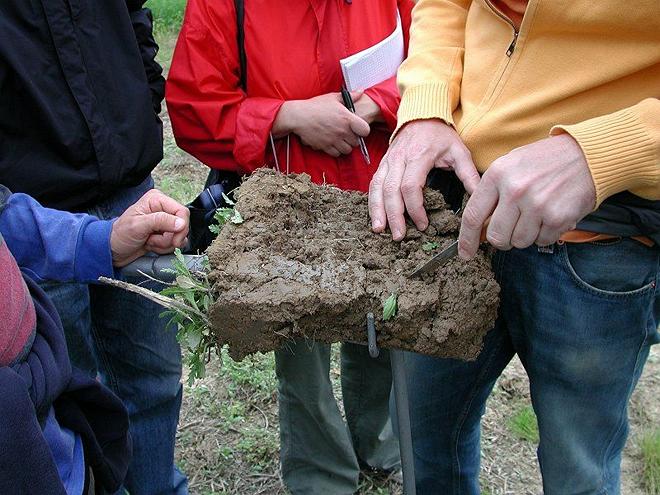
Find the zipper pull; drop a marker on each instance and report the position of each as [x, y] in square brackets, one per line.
[512, 46]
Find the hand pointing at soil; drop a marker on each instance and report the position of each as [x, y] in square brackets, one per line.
[155, 223]
[399, 181]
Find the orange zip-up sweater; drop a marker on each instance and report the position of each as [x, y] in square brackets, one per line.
[591, 69]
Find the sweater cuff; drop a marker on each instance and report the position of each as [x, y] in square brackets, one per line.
[619, 151]
[427, 101]
[93, 255]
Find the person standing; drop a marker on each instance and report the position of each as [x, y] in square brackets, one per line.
[556, 104]
[79, 131]
[290, 116]
[56, 420]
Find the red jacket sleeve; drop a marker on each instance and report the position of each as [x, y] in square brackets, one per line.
[386, 94]
[212, 118]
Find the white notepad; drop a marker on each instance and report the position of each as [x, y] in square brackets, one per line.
[375, 64]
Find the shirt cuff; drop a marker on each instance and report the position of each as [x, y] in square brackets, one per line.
[619, 151]
[427, 101]
[253, 126]
[93, 256]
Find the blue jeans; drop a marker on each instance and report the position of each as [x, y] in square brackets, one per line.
[582, 319]
[120, 337]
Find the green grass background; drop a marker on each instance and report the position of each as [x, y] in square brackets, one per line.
[168, 15]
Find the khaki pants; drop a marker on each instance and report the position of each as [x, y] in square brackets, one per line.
[320, 453]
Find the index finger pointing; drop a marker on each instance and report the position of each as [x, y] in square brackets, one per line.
[393, 200]
[376, 204]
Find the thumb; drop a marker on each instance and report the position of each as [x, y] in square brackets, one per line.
[162, 222]
[359, 126]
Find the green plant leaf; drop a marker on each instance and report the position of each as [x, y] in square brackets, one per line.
[179, 257]
[190, 299]
[228, 200]
[236, 218]
[197, 367]
[222, 215]
[185, 282]
[194, 338]
[390, 307]
[192, 292]
[430, 246]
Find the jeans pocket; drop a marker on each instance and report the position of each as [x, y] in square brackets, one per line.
[614, 269]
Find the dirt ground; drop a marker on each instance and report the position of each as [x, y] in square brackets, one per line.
[228, 434]
[227, 441]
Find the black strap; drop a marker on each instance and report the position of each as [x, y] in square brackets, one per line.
[242, 57]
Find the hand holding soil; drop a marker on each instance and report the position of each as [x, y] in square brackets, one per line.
[535, 194]
[398, 184]
[305, 263]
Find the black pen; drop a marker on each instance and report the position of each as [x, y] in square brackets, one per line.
[348, 103]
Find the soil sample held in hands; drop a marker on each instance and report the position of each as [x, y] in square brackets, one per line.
[304, 263]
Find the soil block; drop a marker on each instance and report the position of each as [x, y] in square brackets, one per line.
[304, 263]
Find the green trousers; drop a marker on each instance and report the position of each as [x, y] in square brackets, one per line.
[320, 453]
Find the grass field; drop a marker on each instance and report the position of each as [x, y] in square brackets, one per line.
[228, 434]
[168, 15]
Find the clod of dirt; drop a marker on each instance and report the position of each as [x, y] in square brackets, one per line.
[304, 263]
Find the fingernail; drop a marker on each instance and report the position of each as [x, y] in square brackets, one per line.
[376, 225]
[397, 235]
[179, 223]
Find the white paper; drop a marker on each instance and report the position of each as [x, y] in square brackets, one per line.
[375, 64]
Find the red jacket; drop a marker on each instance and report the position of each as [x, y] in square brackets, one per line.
[293, 50]
[18, 319]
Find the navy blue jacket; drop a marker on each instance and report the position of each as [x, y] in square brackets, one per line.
[80, 91]
[81, 404]
[56, 245]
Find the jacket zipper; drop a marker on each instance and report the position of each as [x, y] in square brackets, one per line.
[467, 126]
[512, 46]
[499, 14]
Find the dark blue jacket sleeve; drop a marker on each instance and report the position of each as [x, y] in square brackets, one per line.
[143, 25]
[55, 245]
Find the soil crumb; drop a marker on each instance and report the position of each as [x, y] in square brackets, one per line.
[304, 263]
